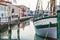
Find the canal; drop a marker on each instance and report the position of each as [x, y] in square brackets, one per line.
[28, 33]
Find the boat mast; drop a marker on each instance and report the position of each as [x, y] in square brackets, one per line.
[59, 4]
[52, 7]
[38, 7]
[47, 8]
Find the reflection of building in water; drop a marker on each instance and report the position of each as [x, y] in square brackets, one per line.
[26, 23]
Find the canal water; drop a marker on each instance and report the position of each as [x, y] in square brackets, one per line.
[28, 33]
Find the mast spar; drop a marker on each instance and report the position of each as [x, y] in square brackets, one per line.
[38, 7]
[52, 7]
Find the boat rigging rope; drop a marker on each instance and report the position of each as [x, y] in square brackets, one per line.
[47, 32]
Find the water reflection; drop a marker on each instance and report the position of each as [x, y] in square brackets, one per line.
[38, 38]
[27, 34]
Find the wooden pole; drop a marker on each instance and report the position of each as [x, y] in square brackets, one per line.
[58, 25]
[9, 24]
[18, 25]
[18, 29]
[0, 30]
[0, 35]
[52, 7]
[9, 28]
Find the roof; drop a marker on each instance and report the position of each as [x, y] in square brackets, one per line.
[4, 2]
[22, 6]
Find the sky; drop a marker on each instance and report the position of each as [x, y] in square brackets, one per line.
[32, 3]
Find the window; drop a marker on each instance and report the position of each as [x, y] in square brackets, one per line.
[12, 10]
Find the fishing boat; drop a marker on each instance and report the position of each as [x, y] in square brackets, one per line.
[45, 24]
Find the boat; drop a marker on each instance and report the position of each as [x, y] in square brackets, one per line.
[45, 22]
[46, 26]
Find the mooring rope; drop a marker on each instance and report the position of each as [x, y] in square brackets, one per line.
[47, 32]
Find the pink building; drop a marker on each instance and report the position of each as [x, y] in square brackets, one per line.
[25, 10]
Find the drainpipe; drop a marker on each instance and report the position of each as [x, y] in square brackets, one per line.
[9, 28]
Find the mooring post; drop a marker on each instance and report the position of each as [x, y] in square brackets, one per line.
[18, 29]
[9, 22]
[9, 28]
[18, 26]
[0, 35]
[0, 30]
[58, 24]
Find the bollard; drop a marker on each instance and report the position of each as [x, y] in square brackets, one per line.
[9, 28]
[18, 29]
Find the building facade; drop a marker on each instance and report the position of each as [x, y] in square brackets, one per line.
[25, 10]
[9, 10]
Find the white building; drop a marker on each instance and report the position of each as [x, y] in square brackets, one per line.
[7, 10]
[13, 11]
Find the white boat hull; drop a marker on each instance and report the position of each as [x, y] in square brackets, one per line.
[44, 30]
[47, 32]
